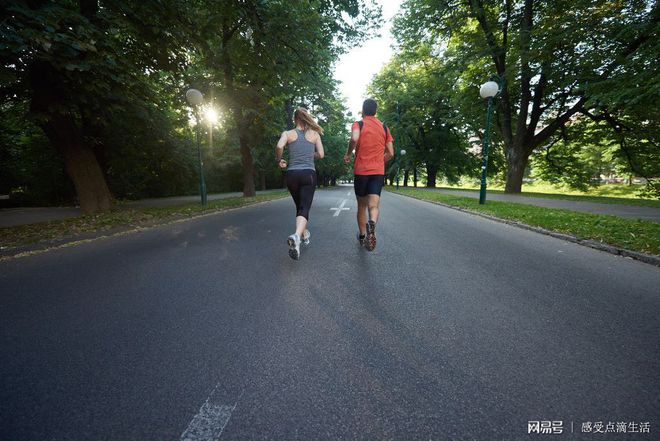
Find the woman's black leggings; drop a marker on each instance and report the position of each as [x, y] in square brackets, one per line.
[301, 185]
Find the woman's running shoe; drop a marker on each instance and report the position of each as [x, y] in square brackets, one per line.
[294, 246]
[306, 236]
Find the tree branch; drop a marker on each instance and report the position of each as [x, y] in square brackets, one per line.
[547, 132]
[525, 72]
[497, 51]
[537, 109]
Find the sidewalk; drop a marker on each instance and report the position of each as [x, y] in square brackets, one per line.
[32, 215]
[627, 211]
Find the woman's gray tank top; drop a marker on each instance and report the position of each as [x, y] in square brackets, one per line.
[301, 153]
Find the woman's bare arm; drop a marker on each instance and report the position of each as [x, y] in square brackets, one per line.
[319, 153]
[279, 150]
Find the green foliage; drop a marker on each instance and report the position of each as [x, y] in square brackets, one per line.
[413, 96]
[117, 73]
[100, 61]
[557, 59]
[578, 160]
[30, 171]
[262, 59]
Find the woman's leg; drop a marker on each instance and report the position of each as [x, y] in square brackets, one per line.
[307, 189]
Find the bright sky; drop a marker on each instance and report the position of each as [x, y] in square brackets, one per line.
[356, 68]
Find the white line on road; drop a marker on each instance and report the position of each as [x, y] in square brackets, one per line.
[340, 208]
[209, 422]
[348, 194]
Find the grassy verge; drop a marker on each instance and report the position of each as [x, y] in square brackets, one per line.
[605, 193]
[631, 234]
[119, 218]
[577, 197]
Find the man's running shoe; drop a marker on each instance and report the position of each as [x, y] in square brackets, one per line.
[361, 238]
[294, 246]
[306, 236]
[370, 241]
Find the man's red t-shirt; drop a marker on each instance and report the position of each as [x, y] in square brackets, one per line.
[370, 149]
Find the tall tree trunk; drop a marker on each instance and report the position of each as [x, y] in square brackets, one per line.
[80, 163]
[517, 162]
[262, 175]
[66, 136]
[82, 167]
[431, 172]
[228, 30]
[288, 111]
[405, 178]
[415, 176]
[246, 160]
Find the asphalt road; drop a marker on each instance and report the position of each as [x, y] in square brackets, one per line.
[455, 327]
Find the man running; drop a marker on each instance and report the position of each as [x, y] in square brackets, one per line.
[373, 145]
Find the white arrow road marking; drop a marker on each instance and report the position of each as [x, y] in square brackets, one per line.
[209, 422]
[340, 208]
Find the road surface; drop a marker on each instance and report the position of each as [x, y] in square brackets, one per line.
[455, 327]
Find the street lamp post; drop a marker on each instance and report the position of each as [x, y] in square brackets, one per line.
[398, 166]
[402, 152]
[195, 99]
[488, 90]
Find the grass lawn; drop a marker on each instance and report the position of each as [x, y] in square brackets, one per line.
[604, 194]
[120, 217]
[631, 234]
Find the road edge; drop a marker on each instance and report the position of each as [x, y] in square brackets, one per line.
[93, 236]
[650, 259]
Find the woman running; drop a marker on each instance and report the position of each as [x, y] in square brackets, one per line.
[305, 145]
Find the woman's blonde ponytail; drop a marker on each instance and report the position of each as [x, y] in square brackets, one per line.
[307, 120]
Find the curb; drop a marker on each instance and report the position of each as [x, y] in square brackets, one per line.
[93, 236]
[642, 257]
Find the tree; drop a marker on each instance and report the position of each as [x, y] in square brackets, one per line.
[413, 98]
[104, 82]
[272, 54]
[79, 63]
[554, 57]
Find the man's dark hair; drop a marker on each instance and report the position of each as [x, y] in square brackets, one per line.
[369, 107]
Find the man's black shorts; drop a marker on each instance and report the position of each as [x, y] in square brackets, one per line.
[368, 184]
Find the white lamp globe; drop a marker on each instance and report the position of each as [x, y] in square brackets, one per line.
[403, 152]
[488, 89]
[194, 97]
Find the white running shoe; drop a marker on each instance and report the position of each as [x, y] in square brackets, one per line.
[306, 236]
[294, 246]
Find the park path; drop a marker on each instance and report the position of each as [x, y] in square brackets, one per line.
[627, 211]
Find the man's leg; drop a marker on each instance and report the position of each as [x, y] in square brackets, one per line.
[363, 206]
[373, 202]
[360, 185]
